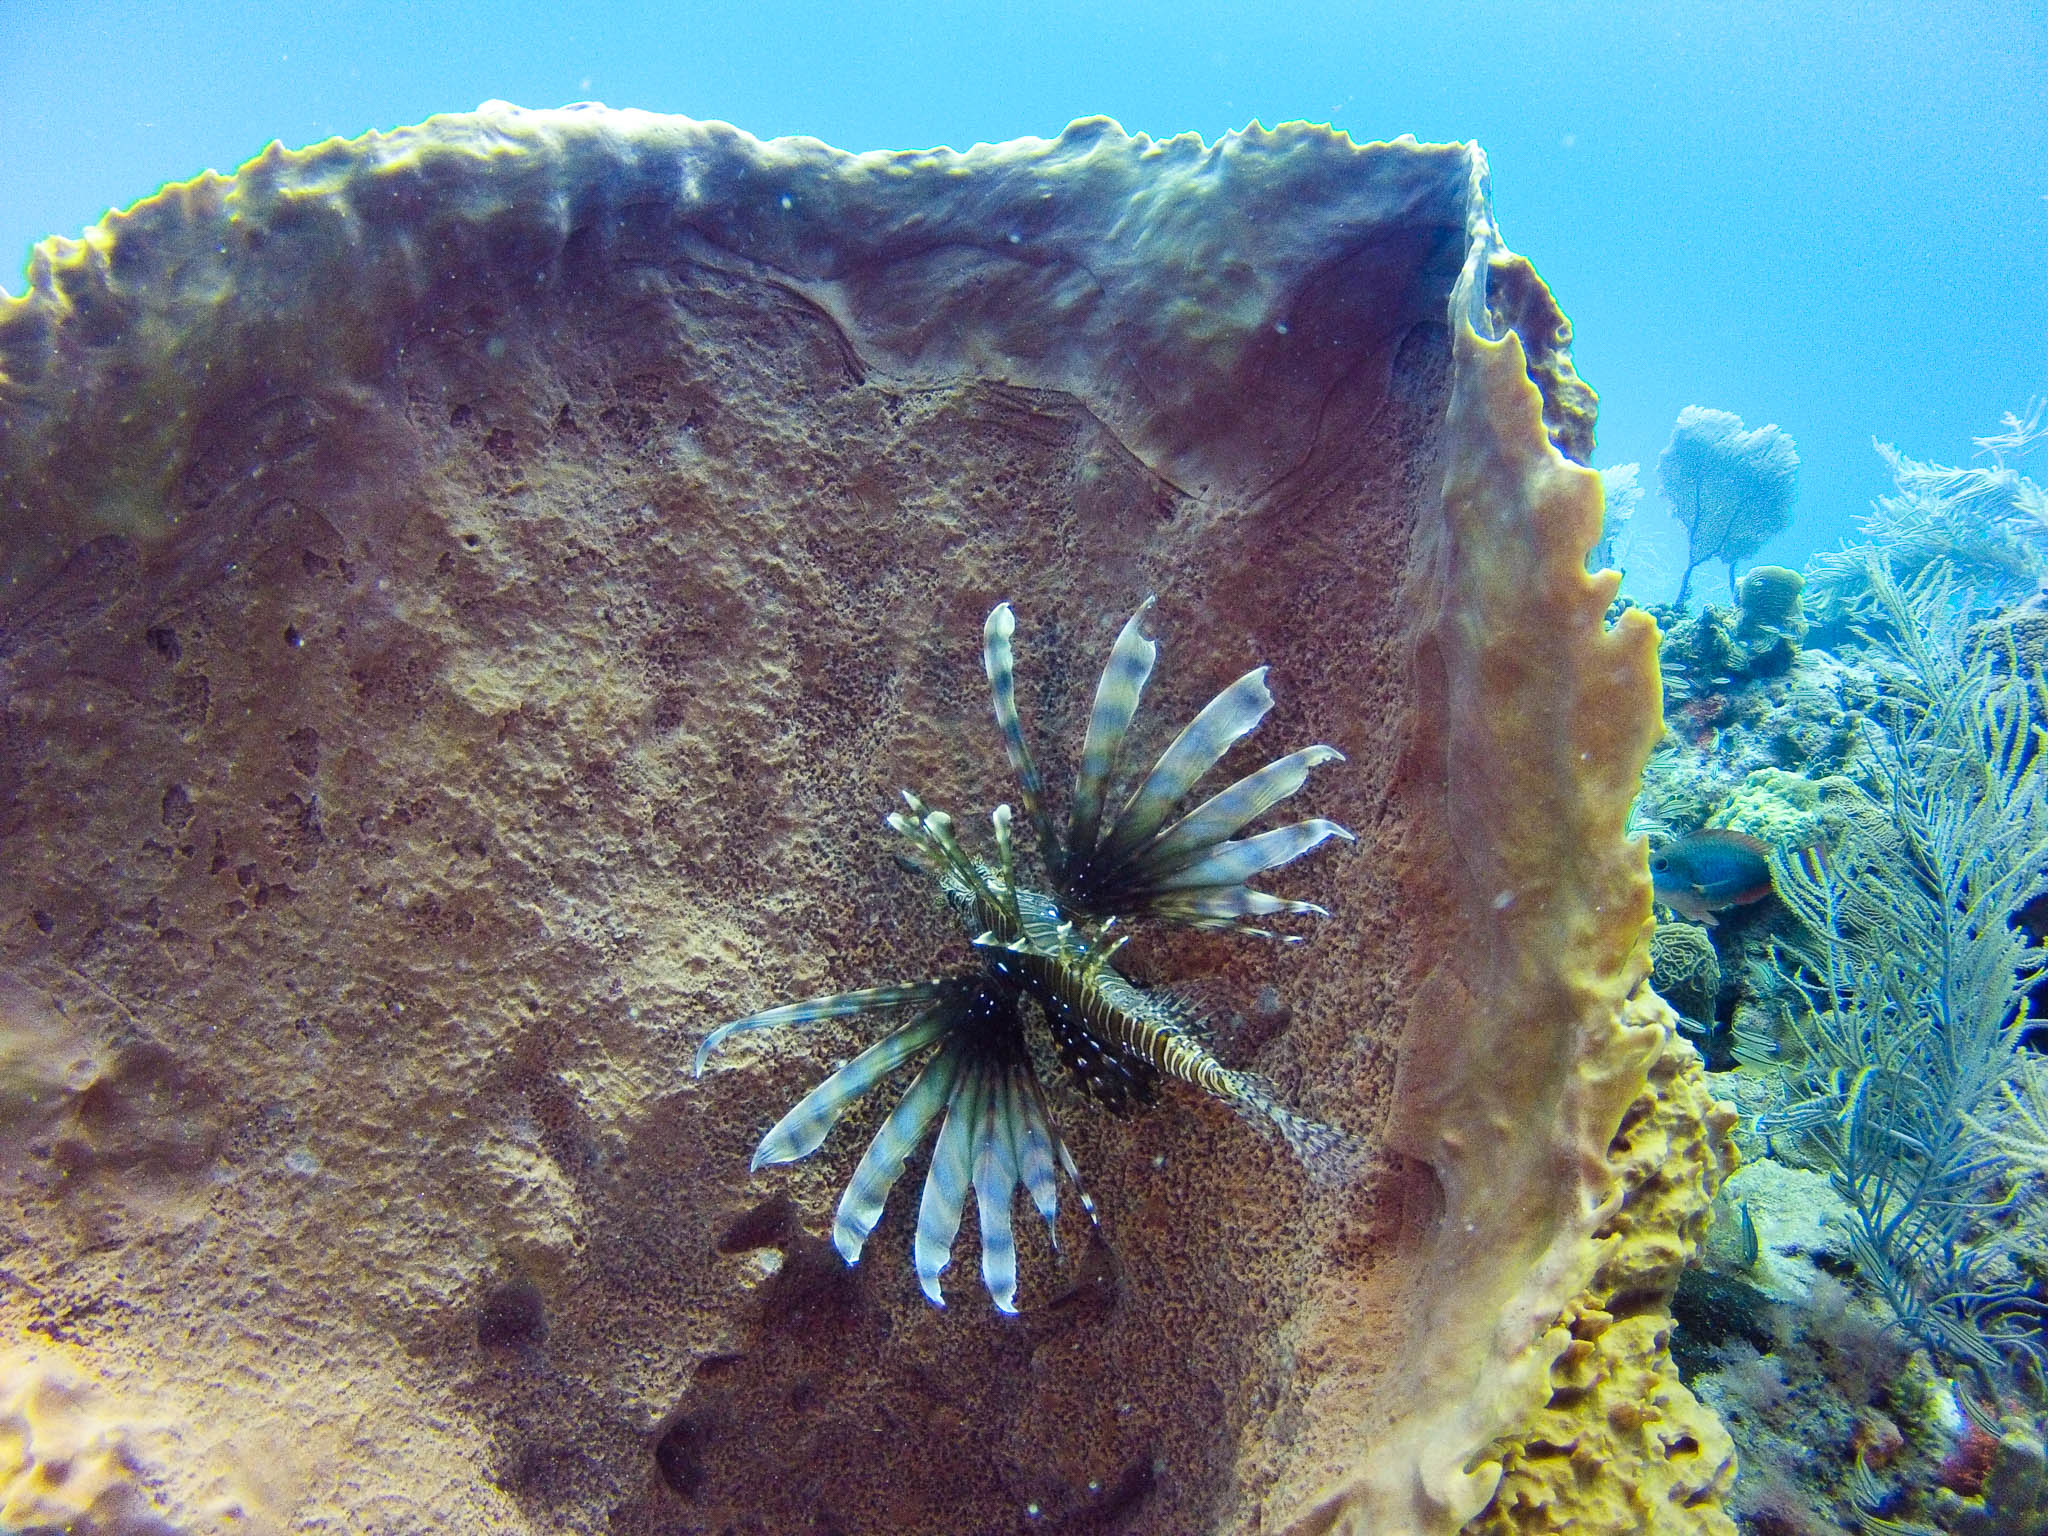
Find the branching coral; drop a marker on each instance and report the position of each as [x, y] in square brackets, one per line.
[1918, 1006]
[1988, 523]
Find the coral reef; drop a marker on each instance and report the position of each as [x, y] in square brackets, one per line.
[1883, 1010]
[2006, 1494]
[469, 590]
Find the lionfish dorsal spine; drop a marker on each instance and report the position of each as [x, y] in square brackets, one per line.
[1116, 701]
[1002, 682]
[1223, 721]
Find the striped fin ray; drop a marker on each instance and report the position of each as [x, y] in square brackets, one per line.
[1033, 1105]
[1224, 812]
[836, 1005]
[1116, 701]
[992, 894]
[860, 1207]
[1224, 906]
[1230, 715]
[1233, 863]
[1034, 1142]
[800, 1132]
[948, 1179]
[1002, 682]
[995, 1190]
[999, 897]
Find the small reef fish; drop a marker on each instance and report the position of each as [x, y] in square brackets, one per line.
[1701, 873]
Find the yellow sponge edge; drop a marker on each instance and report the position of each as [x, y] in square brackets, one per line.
[1623, 1446]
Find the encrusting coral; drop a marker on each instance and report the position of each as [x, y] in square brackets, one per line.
[468, 590]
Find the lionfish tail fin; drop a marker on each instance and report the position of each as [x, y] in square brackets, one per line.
[1326, 1151]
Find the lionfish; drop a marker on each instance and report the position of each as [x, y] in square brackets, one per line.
[969, 1033]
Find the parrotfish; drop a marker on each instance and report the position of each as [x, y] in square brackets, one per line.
[1701, 873]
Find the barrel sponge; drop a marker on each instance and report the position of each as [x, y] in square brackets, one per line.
[1623, 1446]
[1546, 715]
[476, 588]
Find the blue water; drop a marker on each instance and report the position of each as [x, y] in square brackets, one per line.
[1829, 217]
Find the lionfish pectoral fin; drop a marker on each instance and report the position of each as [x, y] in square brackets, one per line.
[1049, 1128]
[1233, 863]
[1032, 1138]
[948, 1179]
[860, 1207]
[1222, 814]
[1224, 907]
[800, 1132]
[995, 1191]
[835, 1005]
[1116, 701]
